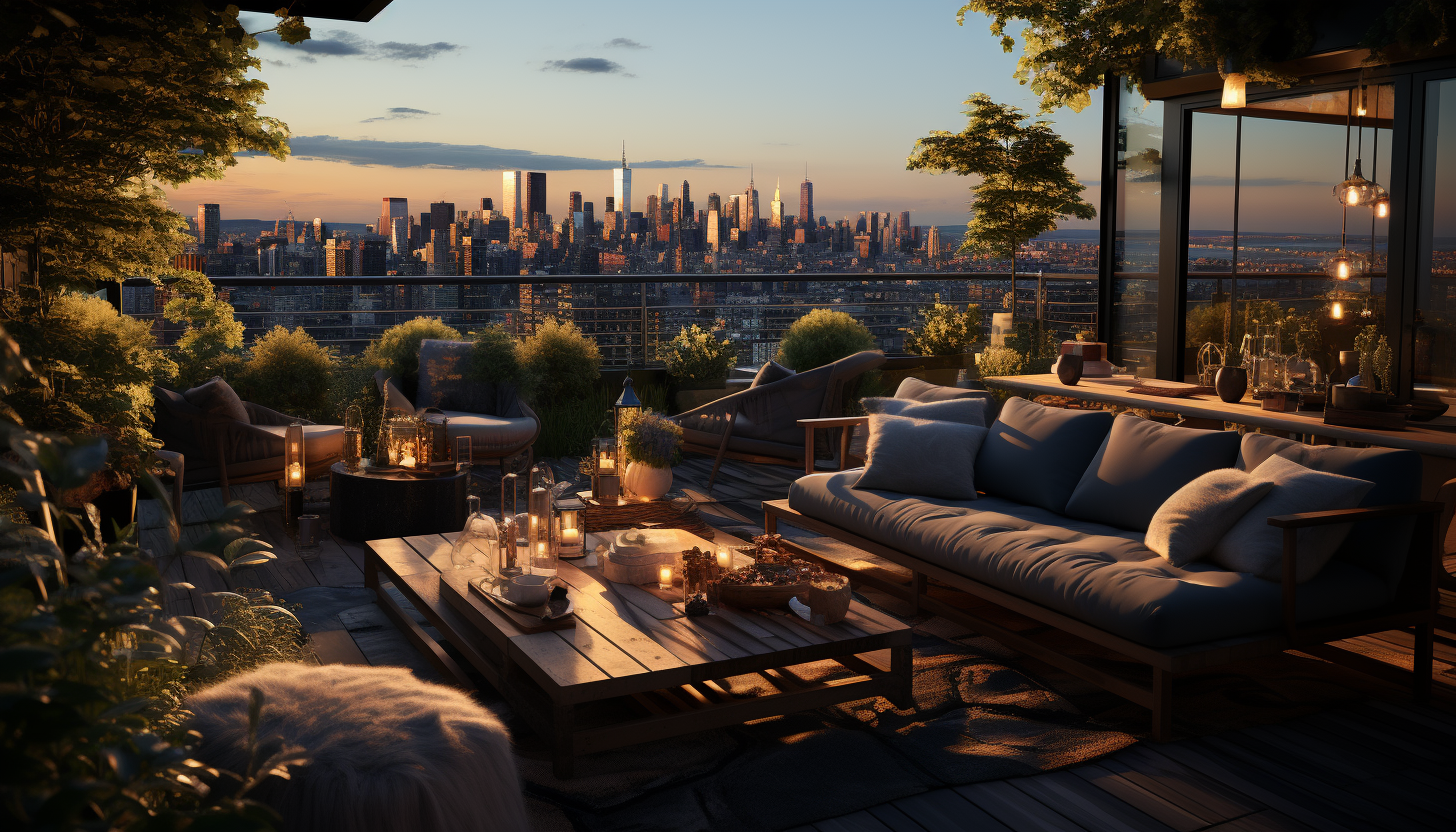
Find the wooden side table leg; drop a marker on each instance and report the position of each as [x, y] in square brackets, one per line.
[902, 668]
[563, 726]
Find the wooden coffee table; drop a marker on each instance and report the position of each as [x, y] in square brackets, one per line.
[631, 644]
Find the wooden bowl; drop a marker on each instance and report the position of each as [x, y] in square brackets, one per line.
[760, 597]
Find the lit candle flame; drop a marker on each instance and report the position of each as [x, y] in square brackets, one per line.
[1337, 310]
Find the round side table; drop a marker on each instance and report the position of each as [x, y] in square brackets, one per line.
[369, 506]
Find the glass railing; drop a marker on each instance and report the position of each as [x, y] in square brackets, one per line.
[629, 316]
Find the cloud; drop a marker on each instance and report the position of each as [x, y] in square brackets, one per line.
[340, 44]
[624, 43]
[394, 113]
[596, 66]
[454, 156]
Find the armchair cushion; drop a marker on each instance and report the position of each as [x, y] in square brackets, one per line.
[1141, 464]
[1256, 547]
[924, 457]
[923, 391]
[769, 373]
[217, 397]
[446, 383]
[1036, 454]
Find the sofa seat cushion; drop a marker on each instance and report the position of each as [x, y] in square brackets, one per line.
[320, 442]
[490, 435]
[745, 444]
[1036, 454]
[1141, 464]
[1098, 574]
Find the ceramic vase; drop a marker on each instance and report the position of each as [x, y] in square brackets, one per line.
[1069, 369]
[1231, 383]
[646, 482]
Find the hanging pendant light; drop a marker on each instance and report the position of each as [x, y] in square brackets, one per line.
[1381, 205]
[1234, 84]
[1344, 264]
[1356, 190]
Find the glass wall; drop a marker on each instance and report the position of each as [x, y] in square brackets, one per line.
[1435, 315]
[1134, 322]
[1265, 224]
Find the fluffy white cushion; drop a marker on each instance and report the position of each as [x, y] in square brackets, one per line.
[922, 457]
[1254, 546]
[387, 751]
[1192, 521]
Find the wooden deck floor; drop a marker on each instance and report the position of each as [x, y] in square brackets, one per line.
[1387, 765]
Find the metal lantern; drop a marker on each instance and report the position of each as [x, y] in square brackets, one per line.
[627, 406]
[1344, 264]
[401, 440]
[606, 470]
[541, 536]
[571, 535]
[293, 474]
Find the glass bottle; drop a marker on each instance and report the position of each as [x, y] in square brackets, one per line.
[353, 437]
[509, 533]
[479, 543]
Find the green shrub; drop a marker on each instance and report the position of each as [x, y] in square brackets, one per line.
[398, 349]
[496, 358]
[212, 343]
[568, 427]
[1000, 361]
[651, 439]
[695, 355]
[822, 337]
[1038, 346]
[564, 363]
[94, 371]
[289, 372]
[945, 331]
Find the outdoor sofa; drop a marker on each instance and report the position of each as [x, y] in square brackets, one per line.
[1079, 563]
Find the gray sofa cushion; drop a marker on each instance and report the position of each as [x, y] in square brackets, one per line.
[1095, 573]
[1192, 521]
[1139, 466]
[920, 456]
[1254, 546]
[1036, 454]
[1377, 545]
[923, 391]
[217, 397]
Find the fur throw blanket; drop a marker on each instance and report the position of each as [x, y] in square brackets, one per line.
[386, 751]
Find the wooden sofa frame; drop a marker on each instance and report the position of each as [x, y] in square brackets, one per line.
[1415, 605]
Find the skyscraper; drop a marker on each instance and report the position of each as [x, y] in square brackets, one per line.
[535, 201]
[511, 197]
[904, 229]
[806, 202]
[390, 208]
[686, 199]
[932, 243]
[776, 209]
[573, 202]
[622, 184]
[662, 198]
[715, 203]
[442, 261]
[749, 220]
[209, 219]
[712, 229]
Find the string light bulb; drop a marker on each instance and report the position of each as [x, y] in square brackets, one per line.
[1356, 190]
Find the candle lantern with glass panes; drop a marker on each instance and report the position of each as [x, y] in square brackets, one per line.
[606, 471]
[541, 536]
[571, 540]
[293, 473]
[353, 437]
[401, 437]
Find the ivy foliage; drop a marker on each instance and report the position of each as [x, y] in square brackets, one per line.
[1070, 46]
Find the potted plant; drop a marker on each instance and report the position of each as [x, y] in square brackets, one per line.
[945, 340]
[651, 443]
[698, 364]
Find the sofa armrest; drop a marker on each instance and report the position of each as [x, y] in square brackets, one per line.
[1421, 560]
[812, 425]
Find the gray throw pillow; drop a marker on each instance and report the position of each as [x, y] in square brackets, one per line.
[923, 391]
[769, 373]
[922, 457]
[1141, 464]
[445, 381]
[1256, 547]
[218, 398]
[1198, 515]
[1036, 454]
[966, 411]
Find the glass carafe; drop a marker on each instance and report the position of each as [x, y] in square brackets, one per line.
[479, 543]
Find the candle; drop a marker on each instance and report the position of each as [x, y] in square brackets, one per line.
[295, 474]
[541, 550]
[608, 464]
[664, 578]
[725, 560]
[408, 460]
[572, 536]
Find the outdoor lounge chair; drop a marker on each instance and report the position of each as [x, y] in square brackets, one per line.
[220, 448]
[761, 424]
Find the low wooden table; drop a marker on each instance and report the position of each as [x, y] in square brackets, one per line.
[364, 505]
[630, 644]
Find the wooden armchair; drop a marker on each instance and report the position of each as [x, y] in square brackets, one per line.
[221, 450]
[761, 424]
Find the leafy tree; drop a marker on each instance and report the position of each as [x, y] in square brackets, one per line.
[1025, 185]
[103, 103]
[212, 343]
[1070, 47]
[945, 331]
[290, 372]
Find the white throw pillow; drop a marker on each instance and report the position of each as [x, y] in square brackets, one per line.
[1197, 516]
[1254, 546]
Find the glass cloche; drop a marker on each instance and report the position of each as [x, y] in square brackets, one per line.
[478, 544]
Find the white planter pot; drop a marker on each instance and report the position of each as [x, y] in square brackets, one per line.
[647, 482]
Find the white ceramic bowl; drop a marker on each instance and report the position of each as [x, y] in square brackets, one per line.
[527, 590]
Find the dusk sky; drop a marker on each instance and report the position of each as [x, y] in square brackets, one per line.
[433, 98]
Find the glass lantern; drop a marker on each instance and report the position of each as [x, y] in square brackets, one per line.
[353, 437]
[478, 545]
[293, 474]
[627, 406]
[606, 471]
[424, 444]
[541, 532]
[401, 437]
[572, 543]
[508, 531]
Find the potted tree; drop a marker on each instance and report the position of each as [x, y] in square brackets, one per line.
[652, 444]
[698, 364]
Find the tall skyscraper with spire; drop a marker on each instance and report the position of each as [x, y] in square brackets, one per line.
[622, 185]
[806, 201]
[750, 207]
[511, 197]
[776, 209]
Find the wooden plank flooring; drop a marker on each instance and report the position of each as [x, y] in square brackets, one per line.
[1380, 767]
